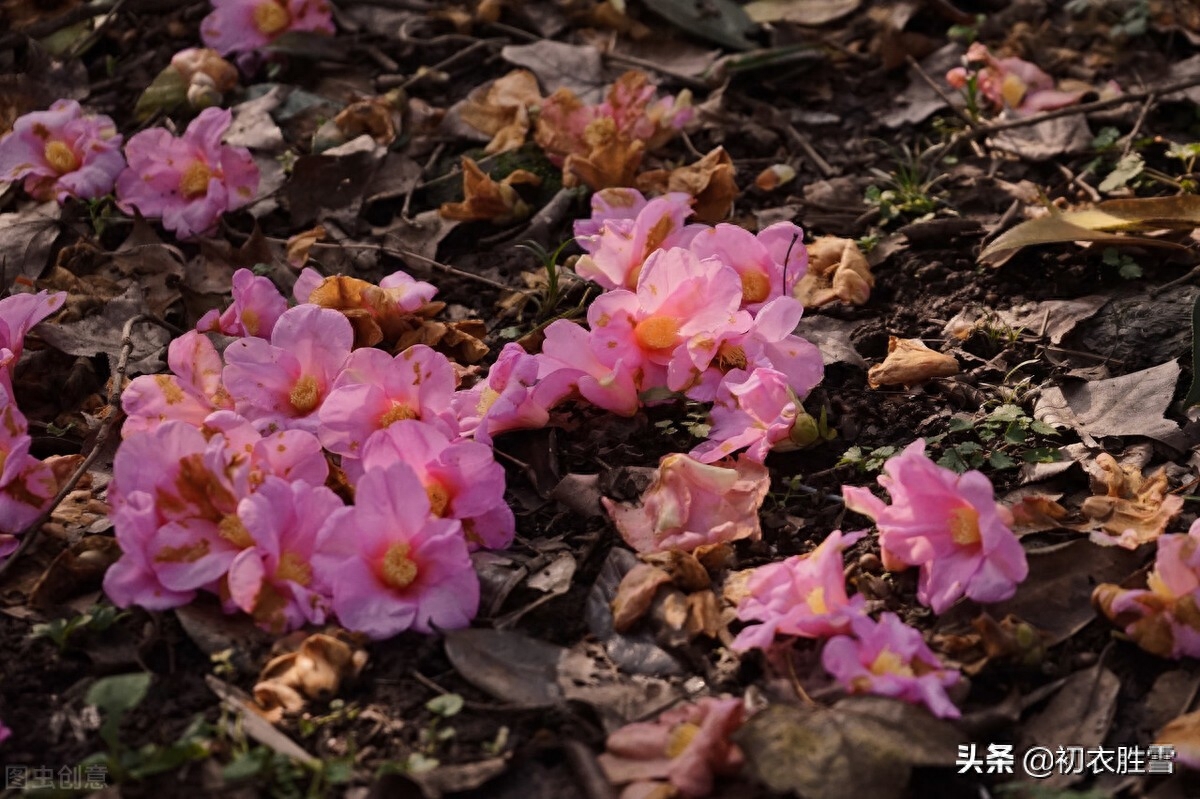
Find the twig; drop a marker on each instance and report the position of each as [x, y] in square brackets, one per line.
[1003, 224]
[946, 98]
[1138, 125]
[1080, 183]
[29, 533]
[1176, 282]
[804, 144]
[441, 65]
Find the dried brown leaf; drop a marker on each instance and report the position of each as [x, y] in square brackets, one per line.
[709, 180]
[315, 669]
[909, 362]
[501, 109]
[299, 245]
[485, 199]
[837, 270]
[635, 594]
[1133, 510]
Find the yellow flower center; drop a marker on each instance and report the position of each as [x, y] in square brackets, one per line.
[270, 18]
[681, 736]
[657, 332]
[60, 157]
[816, 600]
[398, 413]
[730, 356]
[964, 526]
[194, 181]
[250, 321]
[756, 287]
[233, 531]
[439, 498]
[1012, 90]
[398, 570]
[305, 395]
[293, 567]
[487, 398]
[888, 662]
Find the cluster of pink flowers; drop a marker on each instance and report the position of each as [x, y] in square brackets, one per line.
[26, 484]
[248, 27]
[187, 181]
[219, 484]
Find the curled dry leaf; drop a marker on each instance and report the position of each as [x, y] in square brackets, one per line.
[485, 199]
[1133, 510]
[501, 109]
[298, 246]
[775, 176]
[690, 607]
[461, 342]
[315, 669]
[612, 160]
[1183, 733]
[709, 180]
[378, 117]
[837, 270]
[635, 594]
[909, 362]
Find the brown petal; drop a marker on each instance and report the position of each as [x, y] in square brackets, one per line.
[910, 362]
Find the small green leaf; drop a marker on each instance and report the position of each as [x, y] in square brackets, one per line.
[1006, 413]
[1001, 460]
[115, 696]
[1042, 429]
[1016, 433]
[1041, 455]
[446, 705]
[1126, 170]
[960, 423]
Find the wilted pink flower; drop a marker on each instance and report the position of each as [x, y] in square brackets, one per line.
[949, 525]
[274, 580]
[285, 382]
[1013, 82]
[690, 504]
[1164, 618]
[62, 153]
[18, 314]
[570, 359]
[767, 341]
[678, 297]
[754, 410]
[890, 658]
[133, 579]
[406, 291]
[248, 26]
[190, 394]
[461, 479]
[758, 260]
[187, 181]
[256, 306]
[26, 484]
[804, 595]
[510, 398]
[375, 390]
[396, 566]
[678, 754]
[621, 245]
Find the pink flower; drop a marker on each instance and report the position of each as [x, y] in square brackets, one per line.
[765, 342]
[18, 314]
[758, 260]
[678, 297]
[406, 291]
[308, 282]
[396, 567]
[187, 181]
[256, 306]
[190, 394]
[752, 409]
[678, 754]
[804, 595]
[949, 525]
[285, 382]
[274, 580]
[1011, 82]
[461, 479]
[375, 390]
[612, 205]
[62, 153]
[248, 26]
[26, 484]
[890, 658]
[510, 398]
[1164, 619]
[133, 579]
[621, 245]
[691, 504]
[570, 359]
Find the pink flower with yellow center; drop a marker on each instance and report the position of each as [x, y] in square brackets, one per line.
[769, 263]
[753, 410]
[248, 26]
[570, 359]
[62, 153]
[393, 565]
[18, 314]
[1013, 83]
[188, 181]
[189, 394]
[946, 523]
[284, 382]
[890, 658]
[461, 479]
[511, 397]
[804, 595]
[620, 246]
[257, 305]
[375, 390]
[274, 580]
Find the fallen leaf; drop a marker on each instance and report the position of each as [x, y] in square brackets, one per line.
[501, 109]
[75, 571]
[801, 12]
[862, 746]
[722, 22]
[485, 199]
[1054, 138]
[832, 337]
[1183, 733]
[299, 245]
[1104, 222]
[1129, 405]
[1081, 712]
[909, 362]
[315, 668]
[635, 594]
[709, 180]
[634, 653]
[1133, 510]
[514, 668]
[557, 65]
[837, 270]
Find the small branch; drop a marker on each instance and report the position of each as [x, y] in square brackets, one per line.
[946, 98]
[1137, 126]
[29, 534]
